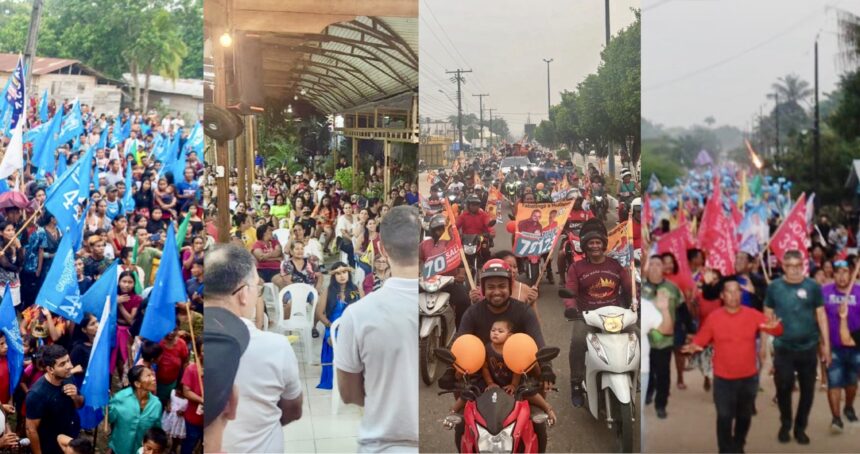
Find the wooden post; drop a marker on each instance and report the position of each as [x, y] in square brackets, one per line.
[354, 164]
[386, 148]
[251, 148]
[239, 152]
[222, 162]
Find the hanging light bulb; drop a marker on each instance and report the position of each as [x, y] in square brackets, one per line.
[295, 97]
[226, 40]
[304, 92]
[289, 108]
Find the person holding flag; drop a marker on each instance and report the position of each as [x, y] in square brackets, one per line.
[436, 246]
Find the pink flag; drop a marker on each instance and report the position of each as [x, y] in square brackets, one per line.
[717, 235]
[792, 233]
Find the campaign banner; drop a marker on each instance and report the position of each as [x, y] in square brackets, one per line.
[620, 244]
[449, 259]
[494, 204]
[538, 226]
[792, 234]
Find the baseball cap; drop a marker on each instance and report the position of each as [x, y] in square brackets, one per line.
[226, 338]
[110, 188]
[841, 264]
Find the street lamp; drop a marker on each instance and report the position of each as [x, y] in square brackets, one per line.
[547, 87]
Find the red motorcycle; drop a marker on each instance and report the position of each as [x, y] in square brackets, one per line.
[495, 421]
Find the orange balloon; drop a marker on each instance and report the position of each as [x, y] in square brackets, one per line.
[519, 353]
[511, 227]
[469, 353]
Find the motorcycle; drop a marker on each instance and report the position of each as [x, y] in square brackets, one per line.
[476, 249]
[599, 205]
[512, 189]
[436, 323]
[496, 421]
[571, 252]
[611, 368]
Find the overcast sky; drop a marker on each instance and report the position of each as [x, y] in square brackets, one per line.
[503, 42]
[747, 45]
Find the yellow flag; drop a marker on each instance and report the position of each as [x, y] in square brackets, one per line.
[744, 193]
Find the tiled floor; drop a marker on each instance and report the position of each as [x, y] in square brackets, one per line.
[319, 430]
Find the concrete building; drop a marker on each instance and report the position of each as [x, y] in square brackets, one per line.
[68, 79]
[182, 95]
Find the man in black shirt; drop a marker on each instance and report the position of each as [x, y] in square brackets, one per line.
[308, 223]
[52, 403]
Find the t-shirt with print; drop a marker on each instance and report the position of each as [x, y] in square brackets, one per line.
[833, 298]
[495, 363]
[795, 305]
[375, 333]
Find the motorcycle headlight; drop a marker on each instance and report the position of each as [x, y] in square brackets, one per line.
[613, 323]
[470, 249]
[632, 345]
[598, 198]
[598, 347]
[431, 286]
[503, 442]
[452, 197]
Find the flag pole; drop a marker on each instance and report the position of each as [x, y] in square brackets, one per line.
[633, 301]
[26, 223]
[194, 347]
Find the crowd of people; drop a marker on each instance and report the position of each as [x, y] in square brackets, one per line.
[723, 306]
[144, 172]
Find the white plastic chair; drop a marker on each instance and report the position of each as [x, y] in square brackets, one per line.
[336, 401]
[283, 237]
[300, 319]
[274, 308]
[358, 276]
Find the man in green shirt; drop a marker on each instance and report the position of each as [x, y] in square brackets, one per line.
[797, 300]
[662, 345]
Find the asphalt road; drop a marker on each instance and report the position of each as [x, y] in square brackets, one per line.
[691, 425]
[575, 431]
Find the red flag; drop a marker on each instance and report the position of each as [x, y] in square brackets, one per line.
[717, 235]
[792, 233]
[646, 215]
[677, 242]
[449, 259]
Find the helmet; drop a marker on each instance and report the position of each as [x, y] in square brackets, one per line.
[438, 221]
[625, 172]
[637, 202]
[496, 268]
[473, 199]
[593, 229]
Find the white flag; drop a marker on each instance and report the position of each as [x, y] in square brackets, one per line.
[13, 159]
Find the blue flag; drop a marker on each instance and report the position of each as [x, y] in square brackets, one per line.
[45, 146]
[125, 130]
[9, 326]
[169, 289]
[60, 293]
[116, 133]
[73, 124]
[14, 96]
[85, 179]
[195, 140]
[96, 386]
[93, 301]
[43, 107]
[102, 139]
[127, 198]
[62, 163]
[62, 198]
[178, 167]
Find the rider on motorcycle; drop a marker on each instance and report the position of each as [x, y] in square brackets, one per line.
[432, 247]
[627, 189]
[475, 220]
[596, 281]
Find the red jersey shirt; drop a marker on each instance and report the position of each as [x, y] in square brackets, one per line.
[733, 336]
[192, 382]
[171, 360]
[474, 224]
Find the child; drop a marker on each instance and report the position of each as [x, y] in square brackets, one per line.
[154, 442]
[150, 352]
[496, 373]
[80, 445]
[173, 420]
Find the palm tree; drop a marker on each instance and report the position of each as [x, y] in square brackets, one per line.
[849, 37]
[791, 89]
[157, 49]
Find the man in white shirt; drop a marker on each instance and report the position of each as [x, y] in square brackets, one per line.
[377, 344]
[267, 381]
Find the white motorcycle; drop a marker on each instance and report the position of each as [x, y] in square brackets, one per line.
[611, 369]
[436, 325]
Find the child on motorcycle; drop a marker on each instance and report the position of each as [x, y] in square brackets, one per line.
[496, 373]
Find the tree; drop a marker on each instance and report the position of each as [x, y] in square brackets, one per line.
[546, 135]
[791, 89]
[709, 120]
[159, 48]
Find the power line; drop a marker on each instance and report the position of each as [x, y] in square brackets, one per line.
[445, 33]
[719, 63]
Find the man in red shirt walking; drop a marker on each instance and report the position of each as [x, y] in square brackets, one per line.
[733, 331]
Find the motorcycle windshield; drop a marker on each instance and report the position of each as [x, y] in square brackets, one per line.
[495, 405]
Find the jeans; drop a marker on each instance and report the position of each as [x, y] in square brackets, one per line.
[786, 364]
[735, 400]
[193, 434]
[659, 380]
[347, 247]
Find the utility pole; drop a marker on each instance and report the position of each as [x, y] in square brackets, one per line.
[32, 38]
[776, 121]
[762, 141]
[548, 103]
[459, 79]
[816, 144]
[481, 116]
[607, 22]
[490, 128]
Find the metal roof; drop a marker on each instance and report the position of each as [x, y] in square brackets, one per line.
[47, 65]
[348, 64]
[188, 87]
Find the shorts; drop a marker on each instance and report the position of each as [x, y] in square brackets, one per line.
[16, 292]
[844, 368]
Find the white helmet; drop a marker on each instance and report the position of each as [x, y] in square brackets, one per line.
[625, 172]
[637, 202]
